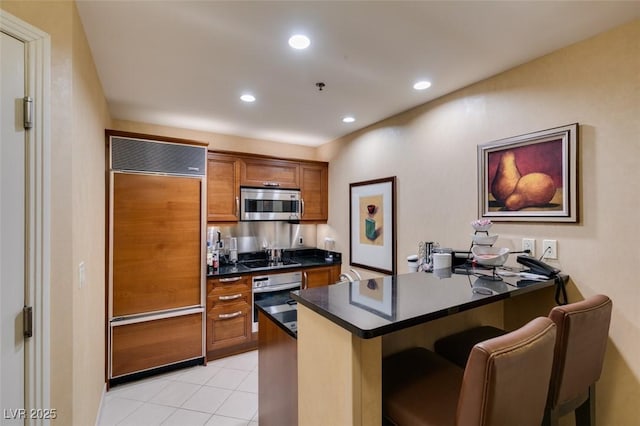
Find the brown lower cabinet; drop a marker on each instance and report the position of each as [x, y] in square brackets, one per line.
[144, 345]
[229, 304]
[320, 276]
[229, 309]
[277, 375]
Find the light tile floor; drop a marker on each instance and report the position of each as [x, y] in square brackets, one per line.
[224, 393]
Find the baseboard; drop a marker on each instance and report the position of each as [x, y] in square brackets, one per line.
[104, 393]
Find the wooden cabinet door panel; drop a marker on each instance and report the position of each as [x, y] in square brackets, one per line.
[314, 190]
[317, 277]
[270, 173]
[149, 344]
[228, 325]
[223, 186]
[156, 243]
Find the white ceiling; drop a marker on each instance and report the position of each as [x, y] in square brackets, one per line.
[185, 63]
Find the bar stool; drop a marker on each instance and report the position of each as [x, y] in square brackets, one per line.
[505, 382]
[583, 329]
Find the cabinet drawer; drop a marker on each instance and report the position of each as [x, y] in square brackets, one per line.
[140, 346]
[227, 298]
[231, 285]
[228, 325]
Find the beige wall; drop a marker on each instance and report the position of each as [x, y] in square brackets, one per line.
[78, 119]
[432, 151]
[90, 118]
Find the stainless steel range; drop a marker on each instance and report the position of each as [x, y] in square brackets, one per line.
[272, 291]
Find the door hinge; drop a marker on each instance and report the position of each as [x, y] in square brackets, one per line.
[27, 318]
[27, 109]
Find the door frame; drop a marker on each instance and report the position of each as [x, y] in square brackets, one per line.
[38, 210]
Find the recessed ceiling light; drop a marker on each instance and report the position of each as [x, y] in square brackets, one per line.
[348, 119]
[422, 85]
[299, 41]
[247, 98]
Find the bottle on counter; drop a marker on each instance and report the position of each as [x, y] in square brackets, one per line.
[209, 258]
[216, 259]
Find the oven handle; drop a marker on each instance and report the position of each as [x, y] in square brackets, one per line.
[276, 288]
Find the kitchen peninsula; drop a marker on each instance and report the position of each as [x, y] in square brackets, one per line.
[343, 330]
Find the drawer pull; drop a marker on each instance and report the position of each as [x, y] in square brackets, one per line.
[230, 280]
[234, 297]
[270, 184]
[229, 316]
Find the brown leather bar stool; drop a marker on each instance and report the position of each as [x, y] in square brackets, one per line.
[505, 382]
[583, 329]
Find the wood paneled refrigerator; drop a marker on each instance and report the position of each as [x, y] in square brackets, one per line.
[155, 306]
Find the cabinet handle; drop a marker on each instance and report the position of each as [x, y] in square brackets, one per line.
[234, 297]
[302, 207]
[229, 316]
[270, 184]
[230, 280]
[305, 280]
[238, 207]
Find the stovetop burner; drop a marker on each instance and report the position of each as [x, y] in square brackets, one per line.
[255, 264]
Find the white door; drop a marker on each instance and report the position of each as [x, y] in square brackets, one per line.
[12, 230]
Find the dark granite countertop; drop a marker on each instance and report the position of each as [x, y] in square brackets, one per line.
[307, 258]
[371, 308]
[286, 320]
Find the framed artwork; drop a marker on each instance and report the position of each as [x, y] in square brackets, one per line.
[372, 223]
[530, 178]
[377, 296]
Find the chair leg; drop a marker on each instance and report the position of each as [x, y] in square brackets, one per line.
[550, 417]
[586, 412]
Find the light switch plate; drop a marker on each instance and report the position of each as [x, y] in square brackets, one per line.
[81, 275]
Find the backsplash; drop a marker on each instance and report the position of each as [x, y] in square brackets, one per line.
[254, 236]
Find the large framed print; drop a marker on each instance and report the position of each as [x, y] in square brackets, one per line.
[372, 224]
[530, 178]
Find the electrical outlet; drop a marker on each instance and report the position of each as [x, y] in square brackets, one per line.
[529, 244]
[81, 275]
[550, 249]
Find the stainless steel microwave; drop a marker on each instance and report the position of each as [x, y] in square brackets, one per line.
[269, 204]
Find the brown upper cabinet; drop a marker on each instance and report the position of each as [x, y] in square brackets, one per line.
[314, 189]
[270, 173]
[223, 187]
[226, 172]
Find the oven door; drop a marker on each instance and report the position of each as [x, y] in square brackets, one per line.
[271, 296]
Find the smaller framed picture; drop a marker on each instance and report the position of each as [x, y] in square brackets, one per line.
[372, 224]
[377, 296]
[530, 178]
